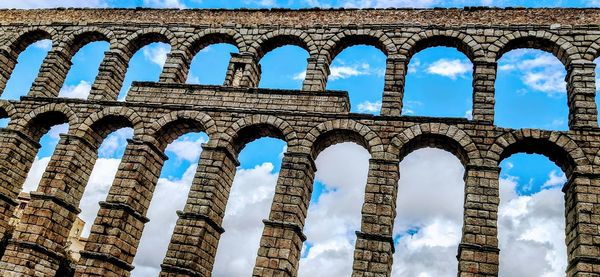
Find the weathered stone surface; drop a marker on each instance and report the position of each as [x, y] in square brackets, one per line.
[309, 121]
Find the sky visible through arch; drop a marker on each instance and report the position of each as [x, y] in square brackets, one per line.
[530, 93]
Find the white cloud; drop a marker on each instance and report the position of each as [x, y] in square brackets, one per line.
[79, 91]
[101, 179]
[344, 71]
[414, 65]
[56, 130]
[164, 4]
[531, 228]
[428, 234]
[44, 44]
[115, 141]
[335, 216]
[186, 149]
[193, 79]
[249, 203]
[264, 3]
[300, 76]
[410, 107]
[388, 3]
[549, 82]
[369, 107]
[469, 114]
[338, 72]
[157, 53]
[35, 174]
[450, 68]
[539, 71]
[38, 4]
[555, 180]
[169, 197]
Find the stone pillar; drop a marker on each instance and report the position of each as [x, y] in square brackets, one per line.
[282, 237]
[478, 250]
[118, 227]
[582, 199]
[53, 73]
[7, 65]
[194, 242]
[17, 152]
[111, 75]
[581, 90]
[243, 71]
[393, 92]
[176, 68]
[40, 237]
[316, 75]
[484, 79]
[374, 250]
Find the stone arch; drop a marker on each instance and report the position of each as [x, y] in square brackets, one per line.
[99, 124]
[348, 38]
[134, 42]
[250, 128]
[174, 124]
[342, 130]
[194, 44]
[593, 51]
[542, 40]
[558, 147]
[73, 43]
[7, 110]
[37, 122]
[28, 36]
[282, 37]
[449, 38]
[437, 135]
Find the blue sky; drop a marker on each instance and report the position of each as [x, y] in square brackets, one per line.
[530, 93]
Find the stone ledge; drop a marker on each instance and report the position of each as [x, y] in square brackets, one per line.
[377, 237]
[476, 247]
[197, 216]
[180, 270]
[8, 200]
[126, 208]
[43, 196]
[21, 135]
[286, 225]
[38, 248]
[107, 258]
[152, 146]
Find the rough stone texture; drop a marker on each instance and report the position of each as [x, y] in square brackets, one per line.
[309, 120]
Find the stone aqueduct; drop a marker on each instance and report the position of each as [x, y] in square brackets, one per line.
[309, 120]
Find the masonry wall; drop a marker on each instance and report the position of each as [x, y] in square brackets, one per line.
[309, 120]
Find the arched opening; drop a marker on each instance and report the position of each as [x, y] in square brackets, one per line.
[531, 91]
[531, 217]
[334, 213]
[4, 118]
[284, 67]
[29, 61]
[145, 65]
[426, 237]
[169, 196]
[101, 178]
[82, 74]
[360, 70]
[48, 135]
[439, 84]
[261, 149]
[209, 66]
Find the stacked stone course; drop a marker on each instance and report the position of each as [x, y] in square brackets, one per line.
[308, 120]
